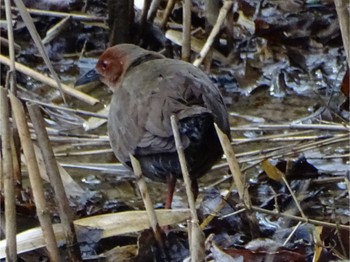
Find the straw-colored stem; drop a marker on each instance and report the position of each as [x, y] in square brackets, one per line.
[78, 16]
[39, 44]
[65, 212]
[303, 219]
[145, 10]
[34, 178]
[329, 127]
[184, 170]
[5, 42]
[169, 7]
[186, 34]
[49, 81]
[234, 167]
[153, 10]
[196, 237]
[9, 191]
[342, 7]
[214, 32]
[68, 109]
[152, 217]
[55, 30]
[11, 45]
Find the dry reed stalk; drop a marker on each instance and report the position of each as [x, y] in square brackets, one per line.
[152, 217]
[35, 179]
[11, 46]
[303, 219]
[292, 233]
[49, 81]
[293, 149]
[53, 173]
[153, 10]
[39, 44]
[85, 152]
[196, 45]
[5, 42]
[78, 16]
[276, 127]
[9, 190]
[16, 160]
[13, 88]
[186, 33]
[234, 167]
[229, 31]
[342, 7]
[68, 109]
[145, 10]
[169, 7]
[55, 30]
[196, 236]
[219, 22]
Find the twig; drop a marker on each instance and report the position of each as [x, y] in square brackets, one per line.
[35, 180]
[292, 233]
[153, 10]
[77, 16]
[9, 190]
[281, 138]
[49, 81]
[333, 127]
[152, 217]
[196, 236]
[114, 168]
[219, 22]
[234, 167]
[169, 7]
[5, 42]
[266, 165]
[184, 170]
[315, 114]
[222, 203]
[65, 212]
[85, 153]
[65, 139]
[259, 152]
[54, 31]
[73, 110]
[13, 87]
[347, 182]
[186, 34]
[342, 7]
[290, 135]
[295, 149]
[39, 44]
[145, 9]
[307, 220]
[196, 44]
[11, 46]
[229, 26]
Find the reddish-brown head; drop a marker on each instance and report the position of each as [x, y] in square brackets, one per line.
[110, 67]
[116, 60]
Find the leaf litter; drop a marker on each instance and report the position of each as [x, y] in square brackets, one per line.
[280, 80]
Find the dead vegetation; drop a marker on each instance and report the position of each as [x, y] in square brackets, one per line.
[280, 194]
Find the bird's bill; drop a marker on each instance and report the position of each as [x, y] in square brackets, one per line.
[89, 77]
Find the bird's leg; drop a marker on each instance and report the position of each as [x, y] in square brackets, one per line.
[171, 182]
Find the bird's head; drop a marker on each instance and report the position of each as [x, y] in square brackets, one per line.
[114, 62]
[111, 66]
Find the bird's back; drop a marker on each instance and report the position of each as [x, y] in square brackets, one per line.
[139, 120]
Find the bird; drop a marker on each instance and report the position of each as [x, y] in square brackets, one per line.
[148, 89]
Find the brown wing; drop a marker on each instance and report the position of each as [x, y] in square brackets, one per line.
[139, 120]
